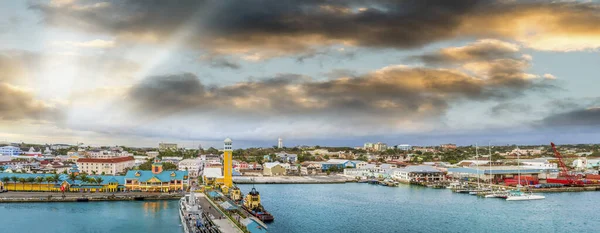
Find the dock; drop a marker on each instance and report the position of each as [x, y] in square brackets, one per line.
[84, 197]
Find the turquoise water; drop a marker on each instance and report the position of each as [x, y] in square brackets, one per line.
[371, 208]
[90, 217]
[328, 208]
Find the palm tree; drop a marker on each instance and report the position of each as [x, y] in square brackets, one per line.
[30, 180]
[99, 180]
[14, 180]
[94, 172]
[22, 181]
[48, 180]
[72, 177]
[83, 177]
[55, 177]
[38, 180]
[5, 180]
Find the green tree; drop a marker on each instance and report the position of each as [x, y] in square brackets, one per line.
[56, 178]
[169, 167]
[146, 166]
[5, 179]
[83, 177]
[14, 180]
[22, 181]
[73, 177]
[99, 180]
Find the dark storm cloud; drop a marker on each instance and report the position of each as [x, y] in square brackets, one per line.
[582, 117]
[389, 94]
[284, 27]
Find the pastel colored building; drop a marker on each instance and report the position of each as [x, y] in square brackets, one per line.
[10, 150]
[110, 166]
[156, 180]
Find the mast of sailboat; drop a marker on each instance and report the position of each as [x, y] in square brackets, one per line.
[519, 166]
[491, 175]
[477, 164]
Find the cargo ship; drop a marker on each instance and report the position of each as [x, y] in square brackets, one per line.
[253, 206]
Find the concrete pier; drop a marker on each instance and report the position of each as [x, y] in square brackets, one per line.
[333, 179]
[75, 197]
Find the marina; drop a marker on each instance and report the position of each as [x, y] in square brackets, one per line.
[351, 207]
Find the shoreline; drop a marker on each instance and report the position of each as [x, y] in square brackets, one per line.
[24, 197]
[335, 179]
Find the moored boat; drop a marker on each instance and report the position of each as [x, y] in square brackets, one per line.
[520, 196]
[253, 206]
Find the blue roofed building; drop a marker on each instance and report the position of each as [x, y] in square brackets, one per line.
[156, 180]
[339, 163]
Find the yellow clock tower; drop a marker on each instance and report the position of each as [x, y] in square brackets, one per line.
[227, 166]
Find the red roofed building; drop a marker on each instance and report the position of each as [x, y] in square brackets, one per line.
[110, 166]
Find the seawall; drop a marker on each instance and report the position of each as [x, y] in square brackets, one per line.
[77, 197]
[292, 180]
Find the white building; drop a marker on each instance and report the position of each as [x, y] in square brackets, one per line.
[110, 166]
[280, 143]
[193, 166]
[418, 174]
[404, 147]
[152, 154]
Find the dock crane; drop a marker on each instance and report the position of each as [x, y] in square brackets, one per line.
[570, 180]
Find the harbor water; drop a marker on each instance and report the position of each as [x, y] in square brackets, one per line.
[328, 208]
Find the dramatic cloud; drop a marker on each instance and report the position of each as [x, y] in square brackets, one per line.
[277, 28]
[482, 50]
[583, 117]
[19, 104]
[497, 62]
[392, 93]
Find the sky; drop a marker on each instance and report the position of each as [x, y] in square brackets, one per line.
[312, 72]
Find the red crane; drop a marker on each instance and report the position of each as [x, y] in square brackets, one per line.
[564, 172]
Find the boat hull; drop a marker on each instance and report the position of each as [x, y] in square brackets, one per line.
[525, 198]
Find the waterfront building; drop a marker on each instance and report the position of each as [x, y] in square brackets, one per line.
[212, 176]
[421, 173]
[273, 169]
[193, 166]
[111, 166]
[538, 163]
[501, 172]
[404, 147]
[167, 146]
[340, 164]
[156, 179]
[10, 150]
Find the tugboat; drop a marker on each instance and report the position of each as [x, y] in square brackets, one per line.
[252, 205]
